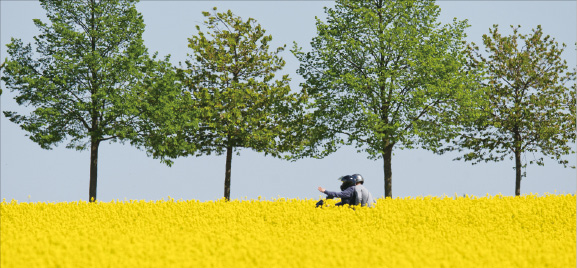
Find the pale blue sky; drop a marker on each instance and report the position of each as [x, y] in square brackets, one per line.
[127, 173]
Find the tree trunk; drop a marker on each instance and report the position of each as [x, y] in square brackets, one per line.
[227, 173]
[93, 169]
[517, 172]
[387, 157]
[517, 151]
[94, 140]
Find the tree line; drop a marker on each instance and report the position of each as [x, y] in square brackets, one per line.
[381, 76]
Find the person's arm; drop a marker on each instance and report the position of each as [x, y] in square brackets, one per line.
[323, 190]
[347, 193]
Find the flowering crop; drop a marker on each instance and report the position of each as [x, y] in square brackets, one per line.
[491, 231]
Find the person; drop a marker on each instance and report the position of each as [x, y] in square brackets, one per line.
[347, 194]
[363, 196]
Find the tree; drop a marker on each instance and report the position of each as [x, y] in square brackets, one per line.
[231, 97]
[87, 61]
[528, 101]
[383, 75]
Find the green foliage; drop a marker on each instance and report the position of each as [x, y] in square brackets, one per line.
[528, 100]
[165, 113]
[383, 74]
[230, 78]
[85, 62]
[225, 98]
[384, 70]
[81, 78]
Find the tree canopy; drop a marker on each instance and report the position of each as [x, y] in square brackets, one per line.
[383, 75]
[230, 95]
[527, 102]
[86, 62]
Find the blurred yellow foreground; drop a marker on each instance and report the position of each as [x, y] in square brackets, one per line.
[491, 231]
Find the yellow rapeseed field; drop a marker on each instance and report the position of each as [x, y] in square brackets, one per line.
[490, 231]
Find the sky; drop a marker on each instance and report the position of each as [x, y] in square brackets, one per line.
[29, 173]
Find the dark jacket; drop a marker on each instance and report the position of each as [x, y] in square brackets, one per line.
[348, 196]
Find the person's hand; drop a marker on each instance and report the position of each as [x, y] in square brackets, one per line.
[321, 189]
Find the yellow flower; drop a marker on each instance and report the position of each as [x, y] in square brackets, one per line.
[470, 231]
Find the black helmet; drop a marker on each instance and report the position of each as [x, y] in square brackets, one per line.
[348, 181]
[358, 178]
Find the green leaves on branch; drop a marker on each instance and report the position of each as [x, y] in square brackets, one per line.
[384, 71]
[527, 103]
[85, 63]
[231, 78]
[229, 94]
[86, 66]
[383, 74]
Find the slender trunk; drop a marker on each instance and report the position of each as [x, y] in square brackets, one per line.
[227, 173]
[517, 151]
[385, 106]
[94, 140]
[93, 169]
[387, 157]
[517, 172]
